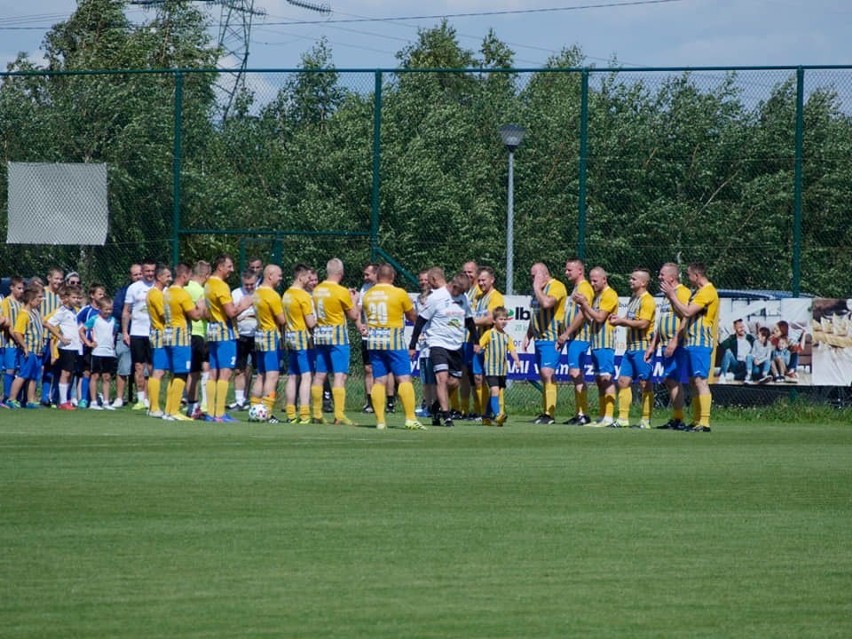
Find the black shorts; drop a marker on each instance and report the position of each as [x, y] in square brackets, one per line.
[365, 356]
[446, 361]
[67, 360]
[199, 353]
[495, 380]
[245, 351]
[140, 350]
[103, 365]
[84, 361]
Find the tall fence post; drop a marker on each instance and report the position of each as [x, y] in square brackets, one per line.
[377, 144]
[584, 144]
[176, 166]
[797, 182]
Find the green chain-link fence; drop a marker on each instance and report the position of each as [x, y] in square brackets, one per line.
[746, 169]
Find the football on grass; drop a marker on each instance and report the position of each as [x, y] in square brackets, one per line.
[258, 413]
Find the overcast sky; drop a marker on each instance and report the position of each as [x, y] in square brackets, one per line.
[649, 33]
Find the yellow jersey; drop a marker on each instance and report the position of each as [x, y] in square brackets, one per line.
[496, 345]
[267, 306]
[50, 304]
[29, 324]
[331, 301]
[546, 323]
[640, 308]
[603, 333]
[220, 327]
[572, 310]
[486, 303]
[9, 308]
[297, 305]
[667, 319]
[177, 304]
[385, 307]
[157, 312]
[701, 328]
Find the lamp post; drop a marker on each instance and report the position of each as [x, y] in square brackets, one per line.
[512, 136]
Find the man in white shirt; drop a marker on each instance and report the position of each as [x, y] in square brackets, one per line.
[246, 328]
[136, 329]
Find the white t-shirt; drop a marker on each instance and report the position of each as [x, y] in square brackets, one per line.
[247, 320]
[446, 315]
[65, 320]
[137, 296]
[743, 348]
[103, 334]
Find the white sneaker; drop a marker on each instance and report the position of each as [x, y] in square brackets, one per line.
[96, 407]
[167, 418]
[729, 377]
[117, 403]
[381, 426]
[645, 424]
[155, 413]
[603, 422]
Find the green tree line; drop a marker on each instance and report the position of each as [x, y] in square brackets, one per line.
[680, 166]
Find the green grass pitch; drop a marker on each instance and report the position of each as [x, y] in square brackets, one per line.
[115, 524]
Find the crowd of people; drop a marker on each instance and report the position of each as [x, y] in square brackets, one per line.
[186, 325]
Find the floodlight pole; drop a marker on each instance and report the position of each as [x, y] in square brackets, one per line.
[512, 135]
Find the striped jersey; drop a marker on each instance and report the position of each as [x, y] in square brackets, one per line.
[9, 308]
[572, 310]
[603, 333]
[385, 306]
[486, 303]
[220, 327]
[331, 301]
[667, 319]
[157, 312]
[177, 304]
[28, 323]
[496, 346]
[297, 304]
[267, 306]
[50, 304]
[640, 308]
[546, 323]
[701, 328]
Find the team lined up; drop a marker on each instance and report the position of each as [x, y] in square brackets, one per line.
[186, 323]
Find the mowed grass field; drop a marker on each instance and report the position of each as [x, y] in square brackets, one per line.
[115, 524]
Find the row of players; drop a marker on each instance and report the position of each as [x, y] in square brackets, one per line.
[585, 320]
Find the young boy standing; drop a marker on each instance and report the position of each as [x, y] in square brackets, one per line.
[63, 326]
[101, 339]
[495, 344]
[28, 335]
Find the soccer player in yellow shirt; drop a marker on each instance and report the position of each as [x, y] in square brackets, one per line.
[546, 308]
[9, 309]
[28, 334]
[386, 308]
[668, 335]
[301, 319]
[221, 336]
[639, 321]
[577, 333]
[333, 305]
[484, 304]
[270, 320]
[701, 316]
[604, 304]
[179, 310]
[157, 312]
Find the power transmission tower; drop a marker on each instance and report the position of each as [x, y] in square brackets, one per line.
[234, 39]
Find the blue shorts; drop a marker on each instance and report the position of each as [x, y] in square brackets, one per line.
[223, 354]
[29, 367]
[633, 365]
[268, 361]
[603, 359]
[427, 374]
[478, 365]
[10, 358]
[699, 361]
[332, 358]
[160, 359]
[299, 362]
[676, 367]
[546, 355]
[384, 362]
[180, 359]
[577, 350]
